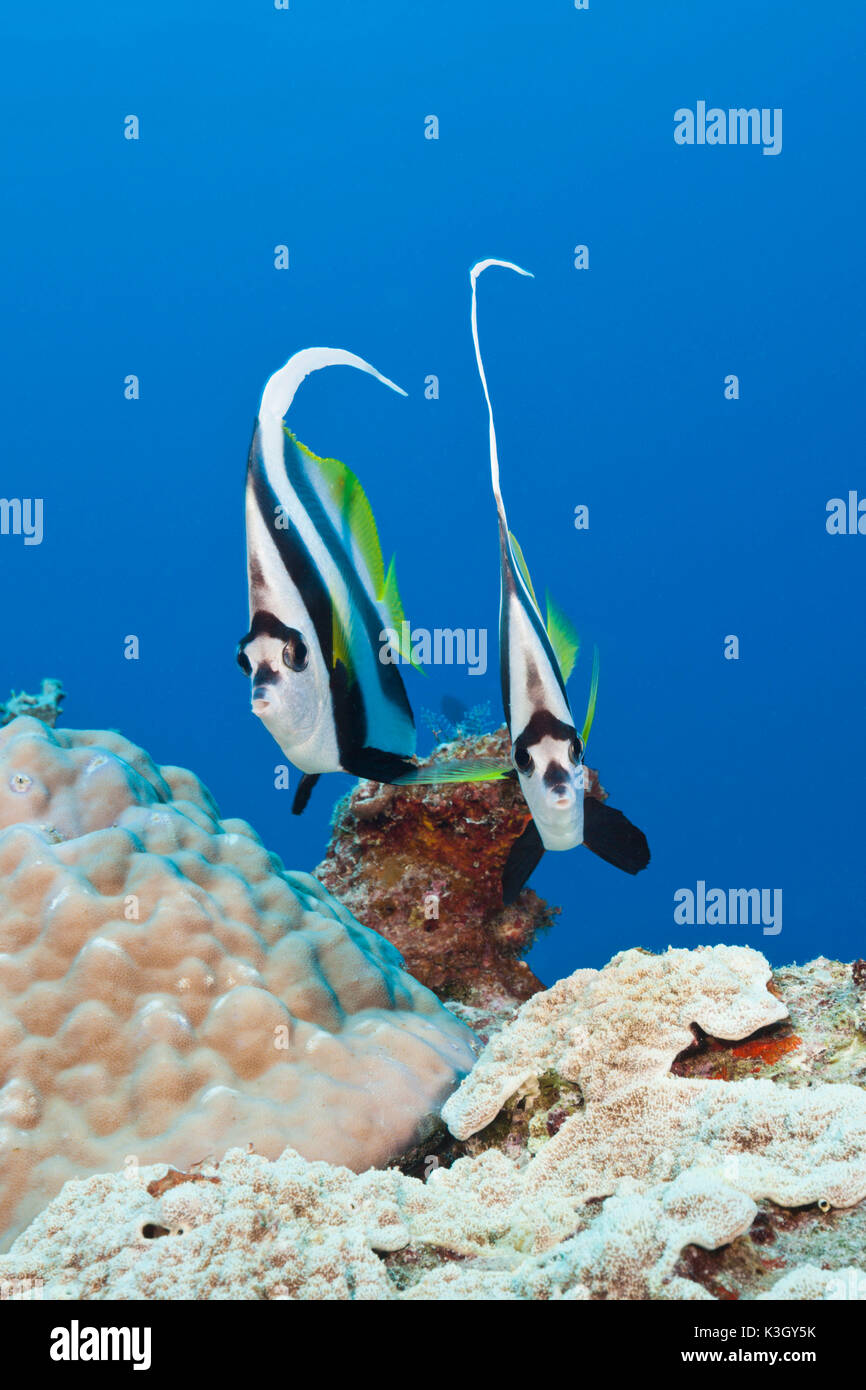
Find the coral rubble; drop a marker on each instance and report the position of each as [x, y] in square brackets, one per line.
[45, 706]
[168, 992]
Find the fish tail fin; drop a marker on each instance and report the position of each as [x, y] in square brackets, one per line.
[280, 389]
[494, 457]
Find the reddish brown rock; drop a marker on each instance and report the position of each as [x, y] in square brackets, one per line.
[423, 866]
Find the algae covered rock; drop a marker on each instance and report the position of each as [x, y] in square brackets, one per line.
[423, 866]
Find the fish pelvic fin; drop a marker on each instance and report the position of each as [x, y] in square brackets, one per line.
[611, 835]
[302, 795]
[523, 858]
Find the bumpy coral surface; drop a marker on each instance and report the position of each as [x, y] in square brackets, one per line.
[822, 1038]
[628, 1022]
[167, 991]
[616, 1033]
[690, 1166]
[809, 1282]
[251, 1229]
[423, 866]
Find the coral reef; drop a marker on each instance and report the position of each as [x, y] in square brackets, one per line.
[612, 1028]
[45, 706]
[615, 1033]
[822, 1038]
[205, 1060]
[292, 1229]
[455, 721]
[717, 1189]
[810, 1282]
[423, 867]
[168, 992]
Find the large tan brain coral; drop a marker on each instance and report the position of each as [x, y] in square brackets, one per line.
[167, 991]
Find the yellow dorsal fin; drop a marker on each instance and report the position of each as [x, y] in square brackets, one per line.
[563, 638]
[392, 600]
[357, 514]
[355, 510]
[522, 565]
[593, 695]
[393, 605]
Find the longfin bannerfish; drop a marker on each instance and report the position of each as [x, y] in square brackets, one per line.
[319, 601]
[536, 658]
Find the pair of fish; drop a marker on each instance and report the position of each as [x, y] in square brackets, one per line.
[320, 601]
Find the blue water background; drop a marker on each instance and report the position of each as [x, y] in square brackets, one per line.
[707, 517]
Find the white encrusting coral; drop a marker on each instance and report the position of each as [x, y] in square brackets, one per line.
[615, 1033]
[809, 1282]
[608, 1029]
[296, 1230]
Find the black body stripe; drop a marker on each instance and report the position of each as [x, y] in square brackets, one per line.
[511, 584]
[389, 678]
[296, 559]
[350, 717]
[270, 625]
[347, 705]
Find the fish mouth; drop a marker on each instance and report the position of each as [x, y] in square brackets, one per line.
[261, 701]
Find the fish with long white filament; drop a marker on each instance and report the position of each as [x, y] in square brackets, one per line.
[536, 660]
[319, 599]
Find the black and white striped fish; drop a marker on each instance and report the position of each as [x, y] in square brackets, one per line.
[319, 601]
[536, 659]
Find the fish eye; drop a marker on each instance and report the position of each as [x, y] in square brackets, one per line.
[523, 759]
[243, 660]
[296, 653]
[575, 750]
